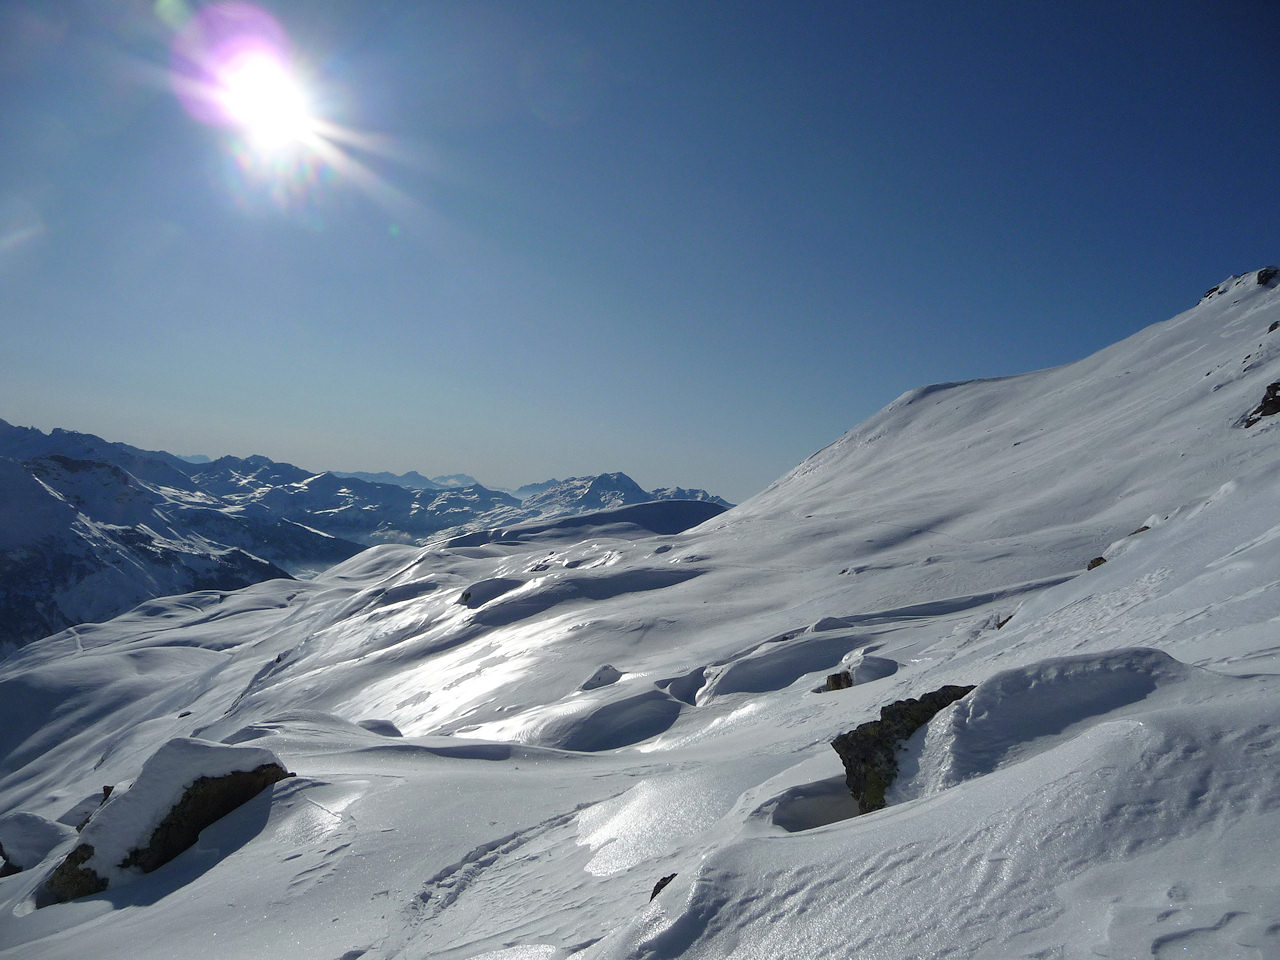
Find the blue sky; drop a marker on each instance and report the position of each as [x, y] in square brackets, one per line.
[690, 241]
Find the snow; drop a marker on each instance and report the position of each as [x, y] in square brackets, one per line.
[27, 838]
[1107, 789]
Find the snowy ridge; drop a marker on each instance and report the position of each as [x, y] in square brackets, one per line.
[586, 708]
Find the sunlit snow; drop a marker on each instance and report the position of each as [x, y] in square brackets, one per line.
[1107, 789]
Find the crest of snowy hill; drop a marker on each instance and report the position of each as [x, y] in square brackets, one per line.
[504, 741]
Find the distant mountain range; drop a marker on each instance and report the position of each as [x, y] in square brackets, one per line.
[413, 479]
[89, 528]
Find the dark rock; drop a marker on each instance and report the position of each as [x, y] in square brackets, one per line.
[1275, 325]
[1096, 562]
[1269, 406]
[204, 801]
[869, 751]
[1142, 529]
[1267, 274]
[661, 884]
[839, 681]
[7, 867]
[71, 880]
[207, 800]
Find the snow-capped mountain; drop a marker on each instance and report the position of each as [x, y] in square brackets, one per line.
[578, 495]
[416, 481]
[85, 539]
[583, 739]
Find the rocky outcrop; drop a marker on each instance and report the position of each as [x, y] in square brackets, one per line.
[1095, 563]
[1269, 406]
[869, 751]
[161, 814]
[206, 801]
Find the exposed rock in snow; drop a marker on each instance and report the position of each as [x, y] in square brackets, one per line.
[869, 751]
[1269, 406]
[183, 788]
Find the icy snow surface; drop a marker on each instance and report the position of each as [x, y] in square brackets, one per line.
[1108, 789]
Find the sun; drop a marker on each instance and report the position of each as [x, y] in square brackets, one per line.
[233, 67]
[260, 95]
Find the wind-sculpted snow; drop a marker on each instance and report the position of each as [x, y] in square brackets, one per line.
[1107, 789]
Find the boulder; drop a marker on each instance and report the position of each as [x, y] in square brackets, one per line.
[839, 681]
[1096, 562]
[869, 751]
[183, 787]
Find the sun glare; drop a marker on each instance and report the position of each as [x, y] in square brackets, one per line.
[260, 95]
[233, 67]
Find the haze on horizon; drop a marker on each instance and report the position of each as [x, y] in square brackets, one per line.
[690, 242]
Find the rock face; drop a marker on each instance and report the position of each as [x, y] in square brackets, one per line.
[183, 788]
[869, 751]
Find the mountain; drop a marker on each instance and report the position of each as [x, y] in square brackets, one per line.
[82, 540]
[412, 480]
[345, 506]
[89, 529]
[456, 480]
[585, 737]
[575, 495]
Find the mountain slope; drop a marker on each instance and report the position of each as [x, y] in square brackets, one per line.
[588, 707]
[82, 540]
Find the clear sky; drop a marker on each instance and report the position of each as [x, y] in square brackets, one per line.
[692, 241]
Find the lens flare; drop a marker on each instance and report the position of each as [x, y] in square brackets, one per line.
[233, 67]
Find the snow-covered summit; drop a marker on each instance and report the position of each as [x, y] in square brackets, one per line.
[583, 716]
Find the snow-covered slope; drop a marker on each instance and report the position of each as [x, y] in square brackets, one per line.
[587, 707]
